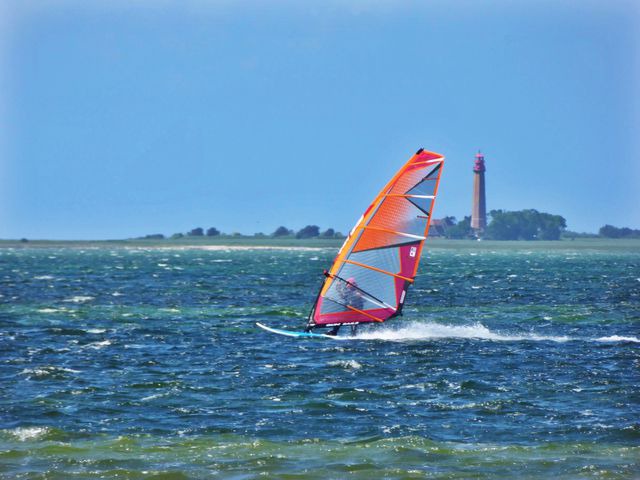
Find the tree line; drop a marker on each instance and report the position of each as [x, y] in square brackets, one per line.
[609, 231]
[309, 231]
[527, 224]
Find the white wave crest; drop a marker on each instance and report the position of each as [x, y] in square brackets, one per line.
[153, 397]
[477, 331]
[434, 331]
[346, 364]
[27, 433]
[98, 345]
[618, 338]
[49, 310]
[78, 299]
[47, 370]
[96, 330]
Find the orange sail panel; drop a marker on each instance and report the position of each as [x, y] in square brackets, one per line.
[379, 259]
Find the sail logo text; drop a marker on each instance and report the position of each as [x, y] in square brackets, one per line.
[412, 252]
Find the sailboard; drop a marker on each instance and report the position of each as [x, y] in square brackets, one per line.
[378, 262]
[289, 333]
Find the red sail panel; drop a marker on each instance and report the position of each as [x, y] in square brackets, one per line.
[379, 259]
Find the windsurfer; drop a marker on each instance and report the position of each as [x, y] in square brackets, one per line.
[350, 293]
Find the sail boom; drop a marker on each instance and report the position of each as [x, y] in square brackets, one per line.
[382, 305]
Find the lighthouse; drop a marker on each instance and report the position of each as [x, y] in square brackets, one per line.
[479, 210]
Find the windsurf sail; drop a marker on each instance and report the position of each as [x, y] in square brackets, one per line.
[378, 261]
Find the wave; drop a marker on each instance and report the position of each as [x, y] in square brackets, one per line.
[476, 331]
[189, 456]
[346, 364]
[79, 299]
[27, 433]
[50, 310]
[47, 371]
[97, 345]
[618, 338]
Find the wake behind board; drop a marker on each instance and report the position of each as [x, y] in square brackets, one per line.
[289, 333]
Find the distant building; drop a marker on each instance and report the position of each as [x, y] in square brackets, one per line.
[436, 228]
[479, 209]
[439, 226]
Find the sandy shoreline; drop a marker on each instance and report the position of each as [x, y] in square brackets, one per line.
[225, 248]
[246, 244]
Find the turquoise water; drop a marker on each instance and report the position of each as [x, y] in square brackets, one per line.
[145, 363]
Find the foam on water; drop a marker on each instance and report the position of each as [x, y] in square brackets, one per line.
[618, 338]
[27, 433]
[78, 299]
[97, 345]
[434, 331]
[346, 364]
[47, 370]
[96, 330]
[49, 310]
[153, 397]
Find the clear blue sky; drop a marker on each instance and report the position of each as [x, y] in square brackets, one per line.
[126, 118]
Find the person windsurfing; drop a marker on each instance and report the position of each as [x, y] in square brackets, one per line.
[350, 295]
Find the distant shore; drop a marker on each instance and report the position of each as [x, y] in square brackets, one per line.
[221, 243]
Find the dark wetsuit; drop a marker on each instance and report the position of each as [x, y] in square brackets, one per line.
[334, 330]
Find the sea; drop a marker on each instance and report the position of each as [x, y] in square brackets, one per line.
[146, 363]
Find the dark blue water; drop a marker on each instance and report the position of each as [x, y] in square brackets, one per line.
[146, 363]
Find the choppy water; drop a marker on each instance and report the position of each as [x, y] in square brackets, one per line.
[137, 363]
